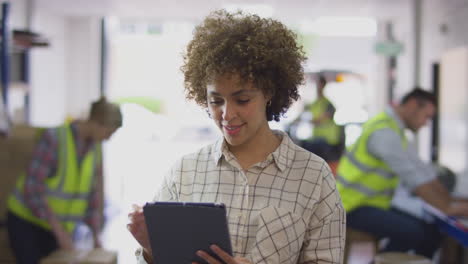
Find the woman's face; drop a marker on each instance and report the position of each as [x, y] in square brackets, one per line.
[238, 109]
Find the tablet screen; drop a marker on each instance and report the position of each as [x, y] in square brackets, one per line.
[177, 230]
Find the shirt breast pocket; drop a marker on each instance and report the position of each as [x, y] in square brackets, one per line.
[279, 237]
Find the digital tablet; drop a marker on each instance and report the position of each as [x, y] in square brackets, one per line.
[178, 230]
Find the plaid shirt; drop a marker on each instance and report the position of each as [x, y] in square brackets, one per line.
[44, 165]
[285, 209]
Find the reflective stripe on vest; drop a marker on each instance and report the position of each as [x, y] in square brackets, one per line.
[363, 179]
[327, 130]
[66, 192]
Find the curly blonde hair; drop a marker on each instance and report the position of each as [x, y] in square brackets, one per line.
[260, 50]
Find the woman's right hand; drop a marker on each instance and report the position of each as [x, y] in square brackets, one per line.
[137, 227]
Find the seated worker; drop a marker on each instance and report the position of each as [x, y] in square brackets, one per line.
[372, 168]
[281, 200]
[326, 136]
[61, 186]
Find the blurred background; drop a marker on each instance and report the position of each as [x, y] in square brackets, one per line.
[60, 55]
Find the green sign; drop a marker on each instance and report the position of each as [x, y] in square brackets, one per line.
[389, 48]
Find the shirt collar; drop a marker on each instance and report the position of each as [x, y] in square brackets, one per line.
[282, 156]
[87, 144]
[391, 112]
[217, 150]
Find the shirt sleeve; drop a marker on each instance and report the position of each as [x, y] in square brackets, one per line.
[43, 165]
[93, 216]
[386, 144]
[325, 236]
[167, 191]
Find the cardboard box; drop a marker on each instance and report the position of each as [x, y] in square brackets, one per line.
[15, 155]
[95, 256]
[400, 258]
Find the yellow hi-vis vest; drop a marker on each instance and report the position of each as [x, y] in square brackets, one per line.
[365, 180]
[327, 130]
[68, 191]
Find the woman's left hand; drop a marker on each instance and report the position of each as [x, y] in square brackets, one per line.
[222, 255]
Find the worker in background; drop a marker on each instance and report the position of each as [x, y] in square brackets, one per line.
[326, 136]
[380, 159]
[61, 186]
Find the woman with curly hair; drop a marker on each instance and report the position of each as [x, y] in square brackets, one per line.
[282, 203]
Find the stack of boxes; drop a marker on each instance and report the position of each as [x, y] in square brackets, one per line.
[15, 154]
[95, 256]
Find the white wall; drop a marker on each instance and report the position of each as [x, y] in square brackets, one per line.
[453, 109]
[48, 71]
[404, 33]
[82, 65]
[18, 14]
[437, 14]
[65, 75]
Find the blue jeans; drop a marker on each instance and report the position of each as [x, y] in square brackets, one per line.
[404, 231]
